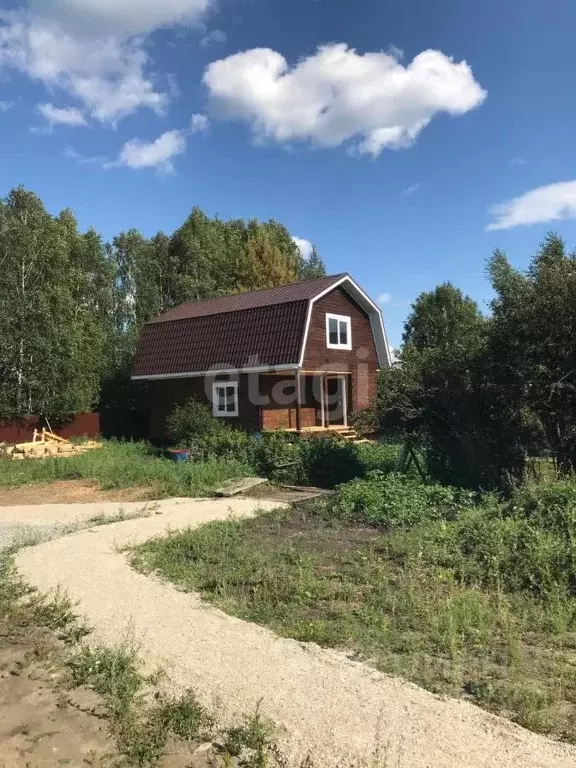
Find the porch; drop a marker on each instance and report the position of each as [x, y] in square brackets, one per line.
[312, 402]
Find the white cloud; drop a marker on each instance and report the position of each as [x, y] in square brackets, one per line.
[304, 246]
[549, 203]
[336, 95]
[6, 106]
[212, 37]
[155, 154]
[407, 191]
[84, 159]
[198, 123]
[61, 115]
[516, 162]
[126, 17]
[88, 49]
[384, 298]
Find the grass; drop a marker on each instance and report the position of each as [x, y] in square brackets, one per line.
[126, 465]
[401, 599]
[144, 721]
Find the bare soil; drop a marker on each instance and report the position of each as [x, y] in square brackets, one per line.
[68, 492]
[42, 725]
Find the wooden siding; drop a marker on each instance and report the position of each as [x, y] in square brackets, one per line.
[361, 361]
[165, 394]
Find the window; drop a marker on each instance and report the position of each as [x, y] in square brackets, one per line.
[338, 332]
[225, 398]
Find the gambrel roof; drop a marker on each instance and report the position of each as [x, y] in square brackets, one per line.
[256, 330]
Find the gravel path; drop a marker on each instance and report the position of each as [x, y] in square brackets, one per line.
[332, 708]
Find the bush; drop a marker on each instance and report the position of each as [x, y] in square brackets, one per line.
[365, 422]
[225, 443]
[328, 462]
[396, 501]
[191, 421]
[278, 457]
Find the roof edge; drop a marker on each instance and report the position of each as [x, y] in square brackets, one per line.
[365, 302]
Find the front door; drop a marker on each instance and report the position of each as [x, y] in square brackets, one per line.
[336, 400]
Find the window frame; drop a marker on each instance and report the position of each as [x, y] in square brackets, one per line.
[340, 319]
[215, 399]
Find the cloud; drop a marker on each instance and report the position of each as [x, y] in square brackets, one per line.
[198, 123]
[516, 162]
[549, 203]
[62, 115]
[213, 37]
[384, 298]
[336, 96]
[6, 106]
[407, 191]
[84, 159]
[93, 50]
[156, 154]
[124, 17]
[304, 246]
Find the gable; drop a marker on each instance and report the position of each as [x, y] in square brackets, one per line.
[318, 356]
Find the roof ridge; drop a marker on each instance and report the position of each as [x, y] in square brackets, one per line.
[270, 288]
[244, 294]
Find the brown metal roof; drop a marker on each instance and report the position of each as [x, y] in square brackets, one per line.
[235, 302]
[246, 330]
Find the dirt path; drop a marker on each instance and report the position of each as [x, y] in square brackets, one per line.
[330, 707]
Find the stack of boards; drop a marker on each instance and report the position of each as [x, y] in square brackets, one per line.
[45, 444]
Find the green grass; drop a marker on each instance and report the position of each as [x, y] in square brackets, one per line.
[126, 465]
[399, 599]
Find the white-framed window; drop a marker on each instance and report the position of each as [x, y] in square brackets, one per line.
[225, 398]
[338, 332]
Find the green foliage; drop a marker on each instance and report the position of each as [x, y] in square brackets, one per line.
[464, 594]
[328, 462]
[395, 501]
[277, 456]
[191, 421]
[56, 289]
[480, 394]
[127, 465]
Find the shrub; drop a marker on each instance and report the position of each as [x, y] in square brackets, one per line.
[365, 422]
[278, 457]
[329, 462]
[225, 443]
[191, 421]
[396, 501]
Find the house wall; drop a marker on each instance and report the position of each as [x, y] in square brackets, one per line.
[361, 361]
[279, 412]
[165, 394]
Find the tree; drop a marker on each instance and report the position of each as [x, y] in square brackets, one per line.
[262, 263]
[51, 337]
[313, 266]
[437, 393]
[533, 340]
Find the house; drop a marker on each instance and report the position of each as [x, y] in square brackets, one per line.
[297, 357]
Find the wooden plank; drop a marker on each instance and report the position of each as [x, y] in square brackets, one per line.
[233, 487]
[308, 489]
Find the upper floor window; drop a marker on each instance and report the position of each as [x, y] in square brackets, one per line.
[338, 332]
[225, 398]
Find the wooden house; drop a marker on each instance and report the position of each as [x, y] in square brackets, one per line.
[298, 357]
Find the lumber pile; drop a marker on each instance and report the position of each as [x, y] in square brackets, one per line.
[45, 444]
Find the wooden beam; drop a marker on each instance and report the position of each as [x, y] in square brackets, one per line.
[298, 404]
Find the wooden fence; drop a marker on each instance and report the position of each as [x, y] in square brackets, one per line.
[21, 430]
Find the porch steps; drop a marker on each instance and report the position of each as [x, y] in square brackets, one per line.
[349, 434]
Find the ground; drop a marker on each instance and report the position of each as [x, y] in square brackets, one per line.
[68, 491]
[43, 725]
[328, 707]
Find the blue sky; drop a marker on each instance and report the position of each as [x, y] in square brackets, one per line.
[406, 139]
